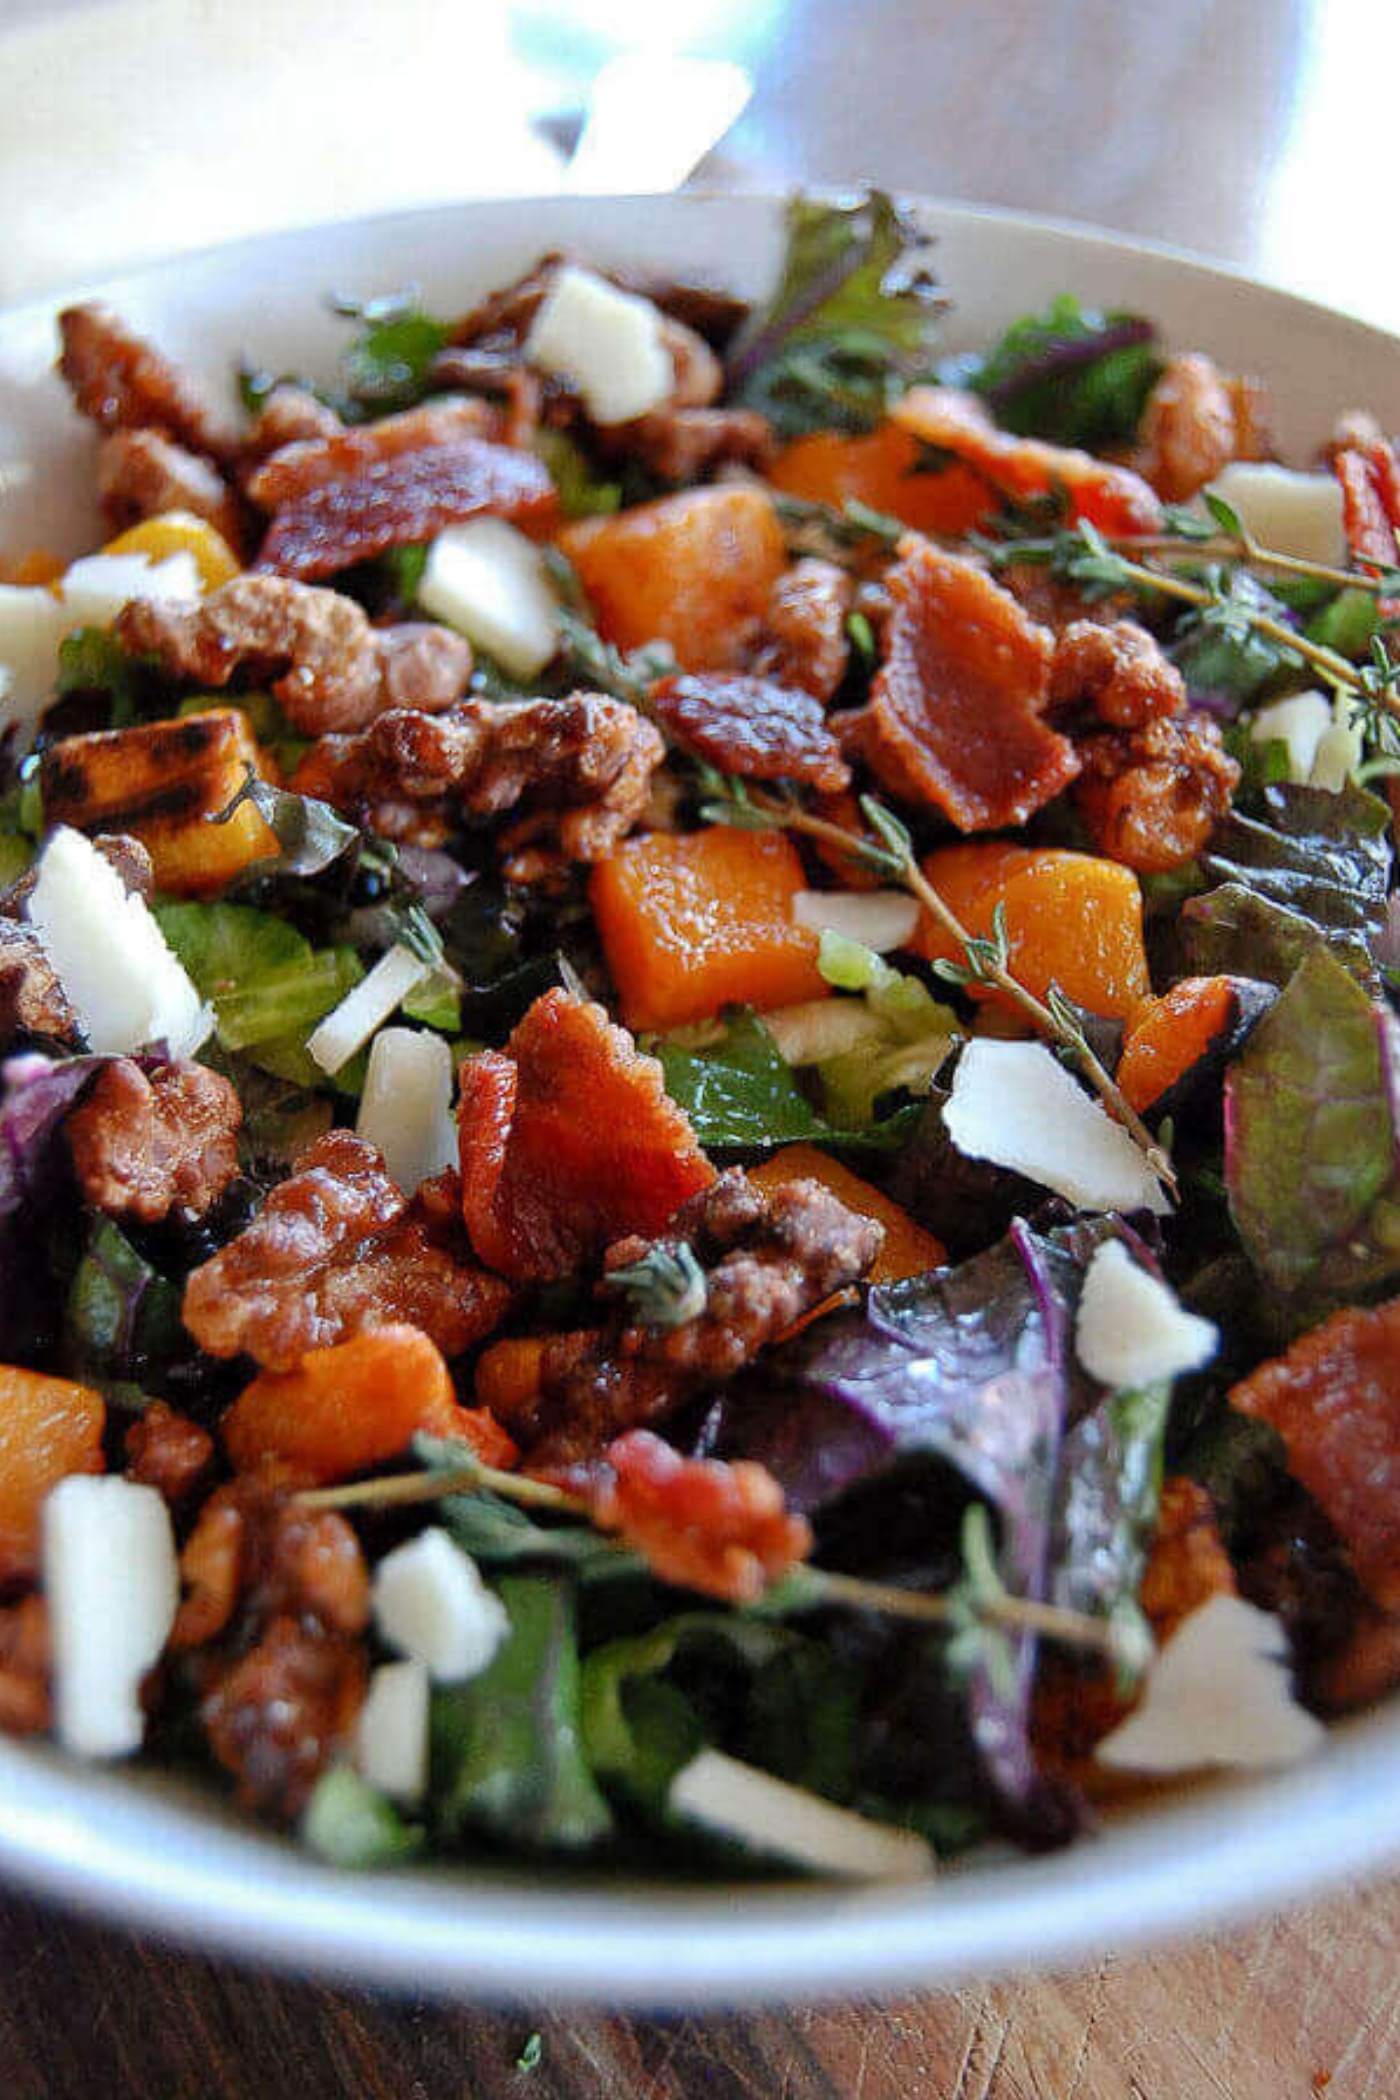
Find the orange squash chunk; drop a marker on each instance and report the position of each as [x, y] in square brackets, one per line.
[693, 570]
[49, 1428]
[1072, 919]
[1114, 498]
[907, 1249]
[568, 1141]
[355, 1405]
[1173, 1032]
[882, 470]
[692, 925]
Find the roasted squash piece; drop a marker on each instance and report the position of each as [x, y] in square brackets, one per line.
[1179, 1038]
[907, 1250]
[49, 1428]
[886, 471]
[181, 532]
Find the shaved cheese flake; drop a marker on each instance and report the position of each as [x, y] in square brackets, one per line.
[1299, 723]
[96, 588]
[1287, 512]
[111, 1583]
[432, 1605]
[1131, 1331]
[489, 582]
[124, 983]
[609, 343]
[1015, 1105]
[406, 1107]
[740, 1802]
[32, 624]
[1218, 1694]
[391, 1736]
[878, 919]
[334, 1042]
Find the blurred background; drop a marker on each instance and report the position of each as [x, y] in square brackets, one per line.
[1253, 130]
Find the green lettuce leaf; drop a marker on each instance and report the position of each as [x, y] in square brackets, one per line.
[123, 1316]
[740, 1093]
[265, 980]
[386, 365]
[915, 1033]
[1072, 374]
[349, 1823]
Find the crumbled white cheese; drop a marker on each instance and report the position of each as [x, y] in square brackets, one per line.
[111, 1583]
[96, 588]
[391, 1735]
[609, 343]
[490, 582]
[1300, 723]
[32, 624]
[334, 1041]
[124, 983]
[1014, 1104]
[432, 1605]
[739, 1801]
[1340, 749]
[878, 919]
[1130, 1330]
[1287, 512]
[1218, 1694]
[406, 1107]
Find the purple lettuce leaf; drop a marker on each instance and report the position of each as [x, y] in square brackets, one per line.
[36, 1094]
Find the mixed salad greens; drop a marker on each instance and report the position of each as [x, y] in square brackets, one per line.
[698, 1149]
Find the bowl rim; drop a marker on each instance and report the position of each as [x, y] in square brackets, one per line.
[125, 1854]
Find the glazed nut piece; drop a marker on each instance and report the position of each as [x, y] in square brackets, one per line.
[149, 1145]
[804, 638]
[25, 1705]
[1151, 797]
[330, 670]
[294, 468]
[167, 1451]
[32, 1001]
[122, 382]
[289, 415]
[337, 1248]
[682, 445]
[700, 1523]
[1118, 670]
[754, 727]
[143, 473]
[1196, 421]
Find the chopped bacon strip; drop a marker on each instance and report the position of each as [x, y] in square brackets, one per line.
[804, 639]
[1114, 498]
[753, 727]
[698, 1522]
[1370, 477]
[288, 415]
[393, 502]
[1334, 1398]
[123, 383]
[309, 463]
[568, 1139]
[955, 713]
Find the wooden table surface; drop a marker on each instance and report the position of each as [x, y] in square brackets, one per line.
[1230, 126]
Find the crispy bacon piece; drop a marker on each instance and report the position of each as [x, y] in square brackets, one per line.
[1334, 1398]
[753, 727]
[770, 1257]
[1116, 668]
[394, 502]
[1151, 797]
[804, 640]
[289, 415]
[304, 464]
[167, 1451]
[1114, 498]
[1197, 420]
[568, 1139]
[24, 1667]
[1367, 468]
[149, 1144]
[954, 719]
[141, 473]
[328, 668]
[337, 1248]
[122, 383]
[699, 1522]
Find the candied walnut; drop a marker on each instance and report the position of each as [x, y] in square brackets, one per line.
[1114, 498]
[32, 1001]
[1151, 797]
[682, 444]
[581, 766]
[333, 671]
[1363, 1668]
[954, 720]
[521, 400]
[309, 463]
[149, 1144]
[770, 1257]
[1196, 421]
[275, 1717]
[24, 1667]
[568, 1138]
[337, 1248]
[1334, 1398]
[1369, 473]
[699, 1522]
[167, 1451]
[254, 1549]
[288, 416]
[122, 383]
[804, 629]
[503, 318]
[753, 727]
[394, 502]
[141, 473]
[1118, 670]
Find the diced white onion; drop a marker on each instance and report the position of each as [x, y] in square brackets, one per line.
[111, 1583]
[334, 1042]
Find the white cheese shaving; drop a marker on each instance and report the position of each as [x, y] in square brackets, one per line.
[125, 984]
[1287, 512]
[1014, 1104]
[609, 343]
[1300, 723]
[96, 588]
[432, 1605]
[111, 1583]
[878, 919]
[1130, 1330]
[1218, 1694]
[406, 1107]
[32, 624]
[336, 1039]
[391, 1736]
[490, 582]
[739, 1801]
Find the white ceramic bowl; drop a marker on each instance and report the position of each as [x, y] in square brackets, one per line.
[154, 1854]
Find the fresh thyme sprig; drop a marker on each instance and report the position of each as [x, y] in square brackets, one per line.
[664, 1288]
[986, 958]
